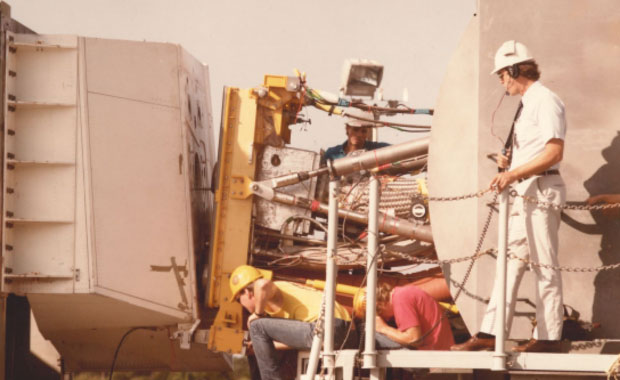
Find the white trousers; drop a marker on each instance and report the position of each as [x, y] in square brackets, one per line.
[533, 235]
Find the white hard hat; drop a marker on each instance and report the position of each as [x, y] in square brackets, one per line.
[353, 122]
[509, 53]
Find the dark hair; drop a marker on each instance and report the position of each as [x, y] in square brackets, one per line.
[249, 287]
[529, 70]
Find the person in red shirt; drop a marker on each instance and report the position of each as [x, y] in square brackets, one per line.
[419, 320]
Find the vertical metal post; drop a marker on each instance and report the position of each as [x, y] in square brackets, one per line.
[499, 356]
[370, 353]
[329, 292]
[313, 360]
[329, 359]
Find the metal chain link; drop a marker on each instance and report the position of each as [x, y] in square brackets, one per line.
[561, 268]
[581, 207]
[419, 260]
[477, 194]
[511, 256]
[513, 193]
[483, 234]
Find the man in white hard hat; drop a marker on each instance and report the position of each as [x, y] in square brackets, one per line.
[531, 164]
[358, 126]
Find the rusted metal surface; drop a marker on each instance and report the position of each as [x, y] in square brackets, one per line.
[275, 162]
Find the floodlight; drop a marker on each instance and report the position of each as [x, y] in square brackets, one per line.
[361, 77]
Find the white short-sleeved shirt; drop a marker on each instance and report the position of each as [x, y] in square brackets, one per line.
[542, 119]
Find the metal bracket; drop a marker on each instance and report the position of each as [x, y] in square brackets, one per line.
[184, 334]
[240, 187]
[263, 189]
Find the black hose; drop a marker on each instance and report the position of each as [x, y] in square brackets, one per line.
[121, 343]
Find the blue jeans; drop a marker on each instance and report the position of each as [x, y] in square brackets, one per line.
[382, 342]
[295, 334]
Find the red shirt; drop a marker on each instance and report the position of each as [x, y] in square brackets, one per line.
[414, 307]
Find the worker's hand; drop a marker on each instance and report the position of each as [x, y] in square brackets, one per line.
[252, 318]
[502, 180]
[503, 160]
[606, 198]
[380, 324]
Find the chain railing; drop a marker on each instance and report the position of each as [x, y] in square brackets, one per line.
[514, 194]
[566, 206]
[477, 194]
[511, 256]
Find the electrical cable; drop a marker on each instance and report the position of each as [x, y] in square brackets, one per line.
[121, 343]
[406, 131]
[493, 120]
[388, 110]
[387, 123]
[333, 108]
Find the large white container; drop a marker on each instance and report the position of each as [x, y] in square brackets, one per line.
[108, 158]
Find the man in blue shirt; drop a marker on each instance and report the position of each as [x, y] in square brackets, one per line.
[357, 133]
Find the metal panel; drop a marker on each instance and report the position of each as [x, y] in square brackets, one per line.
[84, 347]
[46, 68]
[274, 162]
[456, 111]
[139, 199]
[197, 127]
[563, 365]
[145, 72]
[40, 144]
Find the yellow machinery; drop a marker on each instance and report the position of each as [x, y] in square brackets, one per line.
[251, 117]
[252, 120]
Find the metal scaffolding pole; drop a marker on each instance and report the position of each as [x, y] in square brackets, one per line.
[331, 270]
[329, 293]
[370, 353]
[499, 356]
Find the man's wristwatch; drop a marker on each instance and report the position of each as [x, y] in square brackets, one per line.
[261, 315]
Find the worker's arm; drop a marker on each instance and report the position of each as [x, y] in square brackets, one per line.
[551, 155]
[406, 338]
[264, 292]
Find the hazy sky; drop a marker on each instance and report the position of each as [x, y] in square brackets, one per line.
[243, 40]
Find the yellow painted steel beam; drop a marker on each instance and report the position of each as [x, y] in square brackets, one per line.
[233, 215]
[251, 118]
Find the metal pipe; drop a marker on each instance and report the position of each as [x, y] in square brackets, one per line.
[405, 166]
[291, 237]
[313, 360]
[415, 150]
[387, 223]
[375, 158]
[499, 356]
[329, 358]
[329, 294]
[370, 354]
[294, 178]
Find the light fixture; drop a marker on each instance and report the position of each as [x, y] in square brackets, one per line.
[361, 77]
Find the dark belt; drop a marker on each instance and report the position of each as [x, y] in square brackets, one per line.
[546, 172]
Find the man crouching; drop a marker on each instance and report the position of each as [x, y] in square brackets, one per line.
[282, 312]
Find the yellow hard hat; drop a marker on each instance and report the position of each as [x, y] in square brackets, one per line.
[243, 276]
